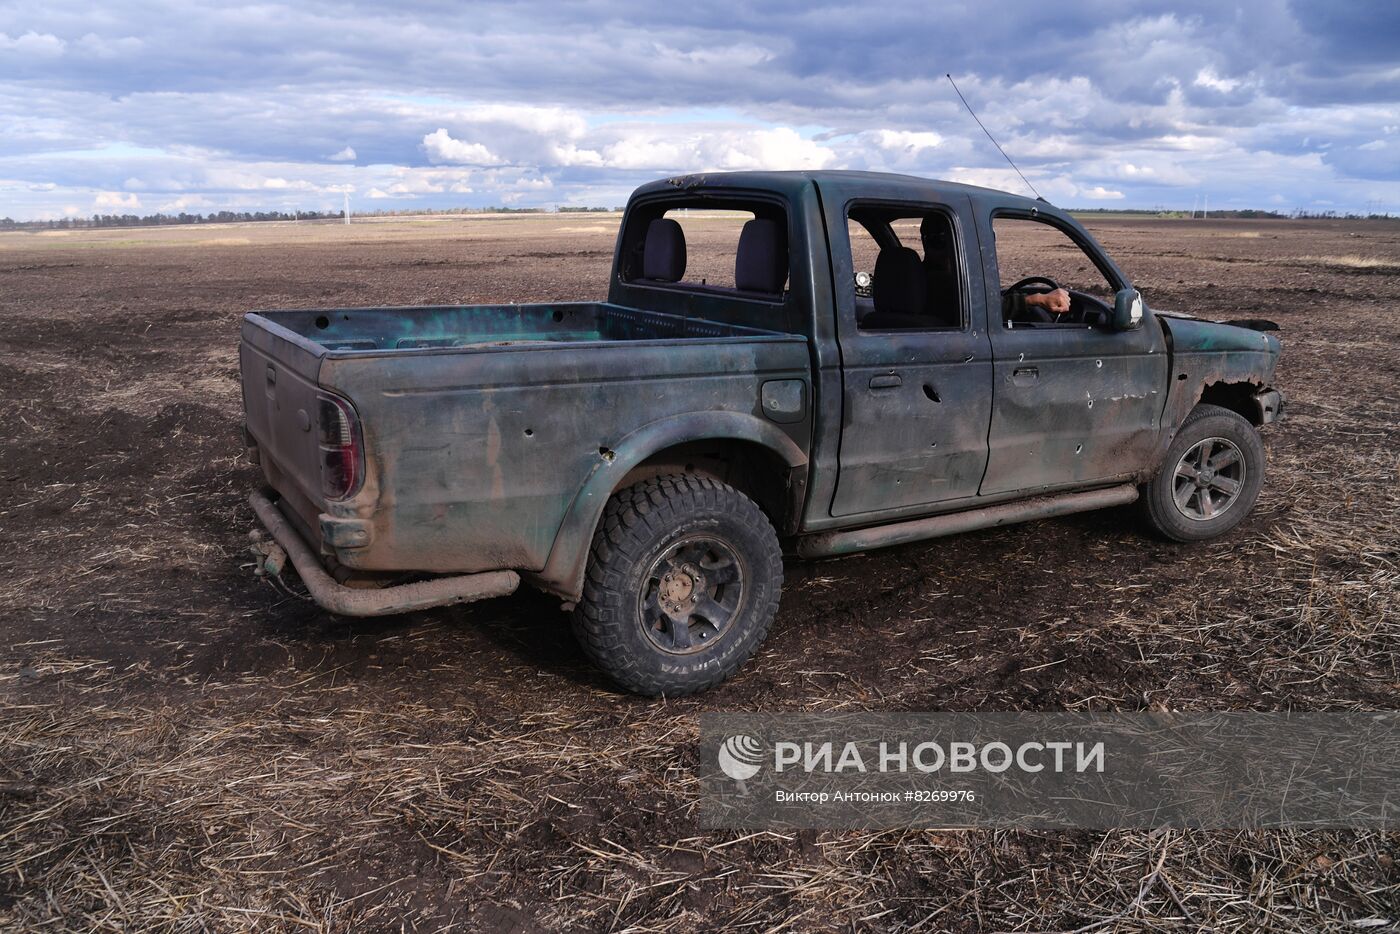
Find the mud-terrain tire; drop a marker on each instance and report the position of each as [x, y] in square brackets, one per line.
[1210, 478]
[683, 581]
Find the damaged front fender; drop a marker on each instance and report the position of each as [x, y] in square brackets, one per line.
[1221, 364]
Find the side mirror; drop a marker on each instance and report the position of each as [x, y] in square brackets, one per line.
[1127, 310]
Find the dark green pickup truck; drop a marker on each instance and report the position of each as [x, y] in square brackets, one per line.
[810, 362]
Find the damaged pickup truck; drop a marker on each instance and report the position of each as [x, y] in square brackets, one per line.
[813, 363]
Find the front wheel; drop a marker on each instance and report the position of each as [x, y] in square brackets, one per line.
[683, 581]
[1210, 478]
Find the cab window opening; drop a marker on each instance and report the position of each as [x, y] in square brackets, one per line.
[1048, 278]
[906, 268]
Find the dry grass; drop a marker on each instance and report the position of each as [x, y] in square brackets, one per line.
[1352, 261]
[188, 819]
[182, 751]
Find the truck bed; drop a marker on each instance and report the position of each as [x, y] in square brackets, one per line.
[482, 424]
[482, 326]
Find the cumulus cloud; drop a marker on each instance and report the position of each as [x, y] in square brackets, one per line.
[441, 147]
[665, 149]
[1207, 78]
[115, 200]
[186, 203]
[35, 44]
[907, 141]
[549, 121]
[1123, 102]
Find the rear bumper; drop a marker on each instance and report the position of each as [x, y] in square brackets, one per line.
[352, 601]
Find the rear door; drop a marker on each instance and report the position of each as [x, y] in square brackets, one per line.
[916, 388]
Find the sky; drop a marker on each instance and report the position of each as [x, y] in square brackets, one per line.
[130, 107]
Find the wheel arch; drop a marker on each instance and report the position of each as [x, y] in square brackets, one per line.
[1237, 396]
[749, 453]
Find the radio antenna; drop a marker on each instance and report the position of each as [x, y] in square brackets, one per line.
[990, 136]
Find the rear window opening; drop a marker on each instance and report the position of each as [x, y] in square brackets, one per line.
[729, 248]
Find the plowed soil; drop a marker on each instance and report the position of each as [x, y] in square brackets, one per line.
[183, 747]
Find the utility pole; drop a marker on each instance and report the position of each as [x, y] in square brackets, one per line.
[1205, 209]
[347, 207]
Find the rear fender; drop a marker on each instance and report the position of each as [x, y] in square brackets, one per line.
[568, 558]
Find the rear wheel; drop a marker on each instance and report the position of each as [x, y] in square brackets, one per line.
[1210, 478]
[683, 581]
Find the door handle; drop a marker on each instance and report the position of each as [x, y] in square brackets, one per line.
[1025, 375]
[888, 381]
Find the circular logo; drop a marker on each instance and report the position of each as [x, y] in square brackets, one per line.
[741, 757]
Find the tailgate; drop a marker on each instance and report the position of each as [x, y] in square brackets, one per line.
[279, 371]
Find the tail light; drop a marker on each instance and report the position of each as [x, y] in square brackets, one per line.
[342, 451]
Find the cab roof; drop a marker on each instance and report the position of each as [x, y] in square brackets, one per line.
[882, 184]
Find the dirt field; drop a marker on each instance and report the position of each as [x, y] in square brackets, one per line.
[183, 748]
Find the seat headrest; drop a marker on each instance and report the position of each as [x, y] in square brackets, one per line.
[937, 240]
[899, 287]
[761, 263]
[933, 227]
[663, 252]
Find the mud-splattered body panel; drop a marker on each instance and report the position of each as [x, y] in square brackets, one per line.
[481, 425]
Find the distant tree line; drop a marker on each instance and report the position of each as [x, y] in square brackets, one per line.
[1246, 214]
[163, 220]
[1338, 215]
[243, 217]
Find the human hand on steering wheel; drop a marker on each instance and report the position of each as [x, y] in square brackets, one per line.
[1055, 300]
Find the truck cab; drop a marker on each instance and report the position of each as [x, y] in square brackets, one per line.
[809, 363]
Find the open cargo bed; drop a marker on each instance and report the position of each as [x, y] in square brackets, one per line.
[472, 326]
[479, 426]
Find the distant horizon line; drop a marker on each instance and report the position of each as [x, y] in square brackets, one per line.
[167, 219]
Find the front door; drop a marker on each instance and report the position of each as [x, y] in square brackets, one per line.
[1074, 403]
[916, 359]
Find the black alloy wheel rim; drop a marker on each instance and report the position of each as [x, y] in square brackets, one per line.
[691, 594]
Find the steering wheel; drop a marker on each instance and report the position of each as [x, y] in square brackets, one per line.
[1050, 284]
[1079, 312]
[1083, 309]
